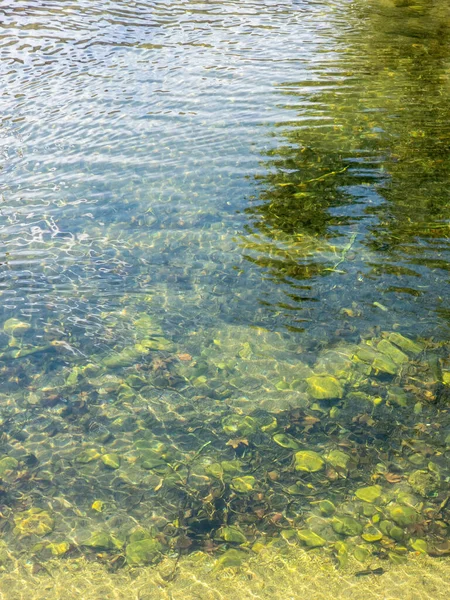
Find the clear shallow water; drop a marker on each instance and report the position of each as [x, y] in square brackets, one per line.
[204, 206]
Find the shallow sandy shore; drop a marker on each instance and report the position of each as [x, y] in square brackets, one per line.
[270, 575]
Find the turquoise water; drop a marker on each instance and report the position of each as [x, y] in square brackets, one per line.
[224, 241]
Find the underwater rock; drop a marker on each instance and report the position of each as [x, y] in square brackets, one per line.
[419, 546]
[392, 352]
[361, 553]
[152, 460]
[143, 552]
[59, 549]
[215, 470]
[338, 459]
[404, 343]
[13, 326]
[98, 506]
[243, 484]
[233, 535]
[369, 493]
[371, 534]
[310, 539]
[397, 396]
[286, 441]
[231, 558]
[396, 533]
[403, 515]
[87, 456]
[309, 461]
[102, 540]
[385, 365]
[327, 508]
[422, 482]
[323, 387]
[346, 526]
[7, 465]
[112, 461]
[237, 424]
[34, 521]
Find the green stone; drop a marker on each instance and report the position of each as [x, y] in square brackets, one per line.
[231, 558]
[101, 540]
[341, 549]
[143, 552]
[385, 365]
[385, 526]
[124, 358]
[233, 535]
[87, 456]
[309, 461]
[396, 533]
[286, 441]
[346, 526]
[423, 483]
[34, 521]
[231, 467]
[405, 343]
[369, 493]
[13, 326]
[243, 484]
[403, 515]
[392, 352]
[269, 424]
[139, 534]
[361, 553]
[324, 387]
[338, 459]
[326, 507]
[112, 461]
[371, 534]
[152, 460]
[7, 465]
[397, 396]
[215, 470]
[420, 546]
[72, 378]
[397, 559]
[59, 549]
[236, 424]
[310, 539]
[367, 353]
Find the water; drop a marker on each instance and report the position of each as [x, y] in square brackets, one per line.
[210, 213]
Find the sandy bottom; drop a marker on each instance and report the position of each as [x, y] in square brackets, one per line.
[270, 575]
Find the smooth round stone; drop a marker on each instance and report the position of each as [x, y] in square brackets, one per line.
[371, 534]
[310, 539]
[285, 441]
[143, 552]
[243, 484]
[324, 387]
[309, 461]
[112, 461]
[231, 558]
[369, 493]
[347, 526]
[338, 459]
[403, 515]
[326, 507]
[232, 534]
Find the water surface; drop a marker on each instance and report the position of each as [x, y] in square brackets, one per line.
[219, 224]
